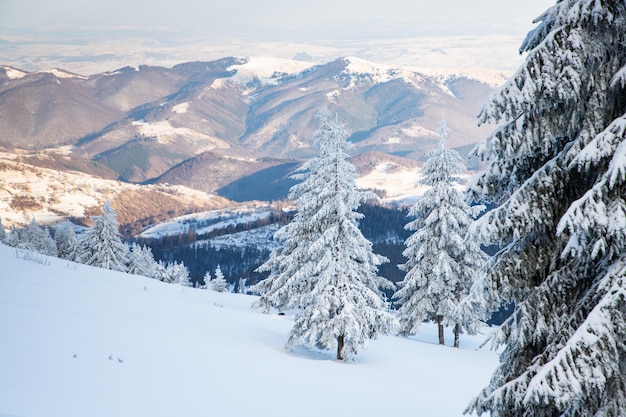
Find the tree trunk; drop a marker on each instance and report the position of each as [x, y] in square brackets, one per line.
[339, 347]
[457, 331]
[440, 326]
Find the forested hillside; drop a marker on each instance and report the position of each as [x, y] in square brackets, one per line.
[383, 226]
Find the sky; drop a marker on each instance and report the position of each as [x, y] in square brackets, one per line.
[287, 20]
[93, 36]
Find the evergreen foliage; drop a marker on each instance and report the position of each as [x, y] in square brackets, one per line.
[179, 273]
[557, 167]
[35, 238]
[67, 243]
[13, 237]
[441, 264]
[141, 261]
[381, 225]
[325, 266]
[219, 283]
[207, 280]
[101, 246]
[3, 232]
[161, 272]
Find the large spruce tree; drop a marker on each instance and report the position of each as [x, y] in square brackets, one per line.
[556, 166]
[325, 267]
[441, 264]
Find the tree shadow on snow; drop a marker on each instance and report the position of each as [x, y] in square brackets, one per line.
[311, 354]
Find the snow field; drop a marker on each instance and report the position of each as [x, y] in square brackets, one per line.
[82, 341]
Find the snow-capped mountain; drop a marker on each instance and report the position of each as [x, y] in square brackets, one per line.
[142, 121]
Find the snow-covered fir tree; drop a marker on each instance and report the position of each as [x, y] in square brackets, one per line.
[557, 168]
[179, 274]
[172, 273]
[13, 237]
[67, 242]
[3, 232]
[242, 287]
[37, 239]
[102, 245]
[441, 264]
[141, 261]
[207, 280]
[325, 266]
[161, 272]
[218, 283]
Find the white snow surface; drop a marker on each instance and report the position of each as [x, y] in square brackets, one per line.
[400, 184]
[59, 73]
[379, 73]
[267, 70]
[13, 73]
[80, 341]
[164, 132]
[181, 108]
[215, 219]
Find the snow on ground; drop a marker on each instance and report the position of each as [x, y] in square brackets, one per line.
[267, 70]
[207, 221]
[401, 184]
[80, 341]
[28, 191]
[181, 108]
[378, 73]
[13, 73]
[63, 74]
[164, 132]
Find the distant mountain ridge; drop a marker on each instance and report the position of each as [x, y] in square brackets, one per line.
[236, 126]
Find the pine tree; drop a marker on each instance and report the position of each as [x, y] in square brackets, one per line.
[207, 280]
[557, 168]
[74, 247]
[102, 246]
[141, 261]
[180, 274]
[161, 272]
[67, 242]
[441, 265]
[37, 239]
[218, 284]
[13, 237]
[325, 265]
[3, 232]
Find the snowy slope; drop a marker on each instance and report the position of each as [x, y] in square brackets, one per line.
[266, 70]
[207, 221]
[79, 341]
[399, 184]
[49, 195]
